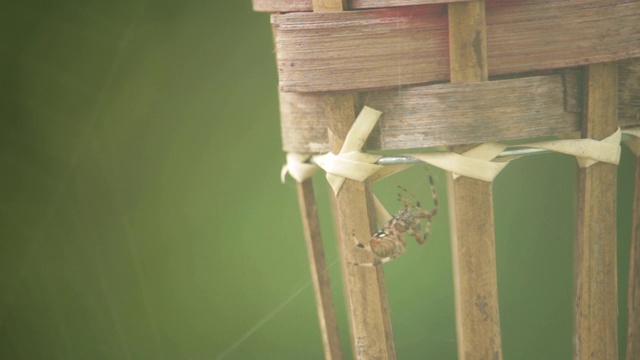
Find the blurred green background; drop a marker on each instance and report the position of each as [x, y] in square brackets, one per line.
[142, 217]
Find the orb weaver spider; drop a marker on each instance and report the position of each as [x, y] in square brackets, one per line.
[388, 243]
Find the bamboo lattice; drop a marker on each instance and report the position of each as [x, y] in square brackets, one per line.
[469, 72]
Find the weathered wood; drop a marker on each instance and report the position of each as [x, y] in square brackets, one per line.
[319, 273]
[385, 48]
[629, 92]
[365, 288]
[322, 6]
[445, 114]
[452, 114]
[633, 297]
[596, 299]
[283, 6]
[471, 207]
[303, 123]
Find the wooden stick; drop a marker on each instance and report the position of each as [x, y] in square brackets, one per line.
[315, 250]
[471, 207]
[596, 299]
[365, 289]
[319, 273]
[633, 302]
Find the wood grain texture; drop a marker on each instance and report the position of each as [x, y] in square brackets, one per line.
[471, 207]
[365, 289]
[284, 6]
[385, 48]
[303, 123]
[319, 274]
[453, 114]
[633, 297]
[629, 92]
[596, 300]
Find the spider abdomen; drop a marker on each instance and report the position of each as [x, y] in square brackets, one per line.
[384, 244]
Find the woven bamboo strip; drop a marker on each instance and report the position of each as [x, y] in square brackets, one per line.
[385, 48]
[596, 300]
[463, 113]
[633, 299]
[306, 5]
[471, 207]
[420, 116]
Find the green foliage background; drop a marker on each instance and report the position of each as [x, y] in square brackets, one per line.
[141, 214]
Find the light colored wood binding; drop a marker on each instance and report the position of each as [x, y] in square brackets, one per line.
[471, 208]
[385, 48]
[596, 292]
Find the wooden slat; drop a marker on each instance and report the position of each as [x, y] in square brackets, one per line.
[629, 92]
[445, 114]
[365, 288]
[377, 48]
[633, 298]
[319, 273]
[284, 6]
[408, 45]
[452, 114]
[471, 207]
[596, 299]
[302, 123]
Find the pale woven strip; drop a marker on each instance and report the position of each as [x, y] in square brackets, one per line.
[351, 163]
[475, 163]
[586, 151]
[298, 167]
[634, 142]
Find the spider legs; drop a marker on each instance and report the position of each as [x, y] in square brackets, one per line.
[422, 212]
[378, 261]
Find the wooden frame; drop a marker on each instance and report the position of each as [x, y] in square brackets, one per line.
[452, 73]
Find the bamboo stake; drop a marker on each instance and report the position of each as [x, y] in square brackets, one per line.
[319, 274]
[365, 289]
[633, 302]
[471, 206]
[596, 299]
[317, 263]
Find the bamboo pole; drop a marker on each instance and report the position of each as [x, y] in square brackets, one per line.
[471, 206]
[365, 289]
[596, 299]
[633, 302]
[319, 273]
[317, 263]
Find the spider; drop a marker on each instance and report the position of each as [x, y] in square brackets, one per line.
[388, 243]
